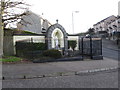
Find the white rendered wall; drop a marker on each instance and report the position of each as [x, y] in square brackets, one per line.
[35, 38]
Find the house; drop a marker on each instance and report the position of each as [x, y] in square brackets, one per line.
[102, 27]
[33, 23]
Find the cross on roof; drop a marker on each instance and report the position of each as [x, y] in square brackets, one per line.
[57, 20]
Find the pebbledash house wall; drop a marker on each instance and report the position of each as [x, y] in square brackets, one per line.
[33, 23]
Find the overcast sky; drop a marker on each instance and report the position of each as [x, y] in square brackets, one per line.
[90, 12]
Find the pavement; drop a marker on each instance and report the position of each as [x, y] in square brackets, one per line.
[53, 69]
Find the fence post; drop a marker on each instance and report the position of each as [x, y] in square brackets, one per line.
[82, 46]
[31, 43]
[101, 46]
[91, 47]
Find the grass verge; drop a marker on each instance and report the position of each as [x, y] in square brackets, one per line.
[10, 59]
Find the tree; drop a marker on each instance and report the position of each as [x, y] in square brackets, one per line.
[91, 31]
[72, 44]
[11, 12]
[1, 34]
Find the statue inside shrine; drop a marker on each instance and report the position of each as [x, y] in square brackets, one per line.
[57, 45]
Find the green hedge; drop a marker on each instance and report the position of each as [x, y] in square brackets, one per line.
[52, 53]
[25, 49]
[30, 46]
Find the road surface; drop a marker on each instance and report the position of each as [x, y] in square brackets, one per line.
[110, 49]
[97, 80]
[110, 53]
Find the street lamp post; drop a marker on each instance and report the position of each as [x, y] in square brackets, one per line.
[73, 19]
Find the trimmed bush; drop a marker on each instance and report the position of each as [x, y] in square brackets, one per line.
[72, 44]
[52, 53]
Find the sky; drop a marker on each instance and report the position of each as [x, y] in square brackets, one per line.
[90, 12]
